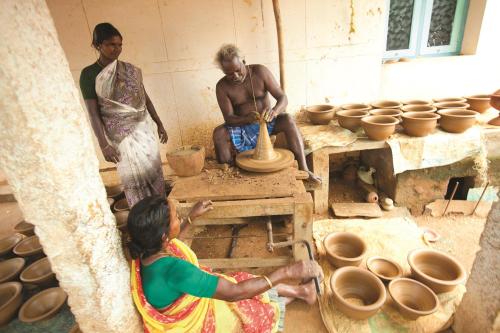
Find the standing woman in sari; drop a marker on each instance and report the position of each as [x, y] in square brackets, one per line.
[122, 117]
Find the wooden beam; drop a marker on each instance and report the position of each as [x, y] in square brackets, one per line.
[246, 262]
[281, 48]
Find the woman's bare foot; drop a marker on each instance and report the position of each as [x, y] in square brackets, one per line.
[308, 293]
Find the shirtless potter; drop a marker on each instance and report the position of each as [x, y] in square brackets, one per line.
[234, 95]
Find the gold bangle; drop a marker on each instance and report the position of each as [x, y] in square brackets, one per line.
[268, 281]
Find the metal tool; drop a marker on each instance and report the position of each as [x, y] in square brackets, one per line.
[451, 198]
[474, 211]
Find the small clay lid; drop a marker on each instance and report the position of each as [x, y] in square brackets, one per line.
[38, 272]
[114, 190]
[43, 305]
[121, 219]
[384, 268]
[9, 242]
[25, 228]
[9, 269]
[28, 247]
[121, 205]
[9, 291]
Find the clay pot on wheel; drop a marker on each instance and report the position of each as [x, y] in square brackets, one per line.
[8, 243]
[350, 119]
[452, 105]
[419, 123]
[438, 270]
[187, 160]
[357, 293]
[25, 228]
[449, 99]
[457, 120]
[379, 128]
[479, 103]
[121, 219]
[385, 269]
[121, 205]
[43, 305]
[417, 102]
[320, 114]
[29, 247]
[344, 249]
[356, 106]
[10, 269]
[418, 108]
[412, 298]
[10, 301]
[386, 104]
[114, 190]
[39, 273]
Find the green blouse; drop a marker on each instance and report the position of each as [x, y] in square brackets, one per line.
[87, 80]
[168, 278]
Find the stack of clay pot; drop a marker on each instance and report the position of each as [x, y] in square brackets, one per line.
[120, 208]
[24, 271]
[359, 293]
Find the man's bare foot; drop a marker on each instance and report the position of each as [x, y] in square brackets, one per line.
[309, 293]
[314, 179]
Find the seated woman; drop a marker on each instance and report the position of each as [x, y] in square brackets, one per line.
[173, 293]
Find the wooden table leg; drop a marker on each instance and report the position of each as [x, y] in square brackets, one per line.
[321, 167]
[302, 224]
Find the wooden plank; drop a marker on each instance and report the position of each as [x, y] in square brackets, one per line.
[321, 168]
[359, 144]
[356, 209]
[246, 262]
[225, 221]
[302, 225]
[465, 207]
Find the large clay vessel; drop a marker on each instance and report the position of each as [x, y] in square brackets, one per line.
[8, 243]
[25, 228]
[121, 219]
[412, 298]
[449, 99]
[114, 190]
[357, 293]
[479, 103]
[29, 247]
[344, 249]
[438, 270]
[320, 114]
[387, 112]
[187, 160]
[351, 119]
[457, 120]
[495, 103]
[10, 269]
[356, 106]
[43, 305]
[417, 102]
[379, 128]
[418, 108]
[386, 104]
[419, 123]
[10, 301]
[384, 268]
[121, 205]
[39, 273]
[452, 105]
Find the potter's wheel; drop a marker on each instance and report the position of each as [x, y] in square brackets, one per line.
[282, 158]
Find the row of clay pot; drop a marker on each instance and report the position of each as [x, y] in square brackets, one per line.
[360, 293]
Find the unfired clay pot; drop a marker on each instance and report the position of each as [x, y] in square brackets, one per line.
[114, 190]
[351, 119]
[379, 128]
[111, 201]
[384, 268]
[28, 247]
[121, 205]
[418, 108]
[320, 114]
[43, 305]
[10, 269]
[187, 160]
[121, 219]
[479, 103]
[387, 112]
[452, 105]
[8, 243]
[386, 104]
[39, 273]
[25, 228]
[438, 270]
[457, 120]
[449, 99]
[356, 106]
[419, 123]
[344, 249]
[417, 102]
[10, 301]
[495, 103]
[412, 298]
[357, 293]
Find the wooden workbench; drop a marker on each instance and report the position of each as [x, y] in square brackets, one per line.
[239, 197]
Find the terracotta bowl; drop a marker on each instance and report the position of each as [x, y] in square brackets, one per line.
[25, 228]
[438, 270]
[10, 269]
[344, 249]
[356, 106]
[8, 243]
[385, 269]
[387, 112]
[379, 128]
[39, 273]
[351, 119]
[412, 298]
[479, 103]
[417, 102]
[357, 293]
[114, 191]
[418, 108]
[386, 104]
[452, 105]
[449, 99]
[187, 160]
[28, 247]
[121, 205]
[419, 123]
[457, 120]
[320, 114]
[43, 305]
[121, 219]
[10, 300]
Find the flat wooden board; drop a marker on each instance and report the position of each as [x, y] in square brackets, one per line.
[356, 209]
[465, 207]
[235, 184]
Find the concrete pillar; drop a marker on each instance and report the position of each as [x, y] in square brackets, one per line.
[480, 307]
[48, 157]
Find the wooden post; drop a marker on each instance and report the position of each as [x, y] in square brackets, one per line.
[281, 49]
[321, 168]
